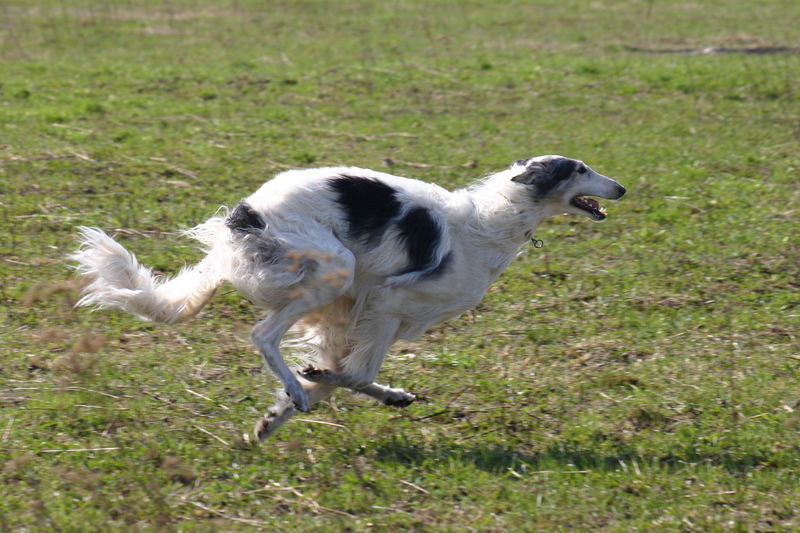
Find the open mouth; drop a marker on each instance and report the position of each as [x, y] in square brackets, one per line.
[590, 205]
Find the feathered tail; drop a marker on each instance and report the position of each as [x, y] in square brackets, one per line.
[117, 280]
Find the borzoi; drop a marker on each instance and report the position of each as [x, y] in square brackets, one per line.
[353, 260]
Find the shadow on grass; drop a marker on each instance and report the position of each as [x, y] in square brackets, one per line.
[566, 458]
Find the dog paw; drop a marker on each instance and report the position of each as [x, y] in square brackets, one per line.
[264, 427]
[400, 398]
[277, 416]
[298, 397]
[317, 375]
[301, 403]
[302, 406]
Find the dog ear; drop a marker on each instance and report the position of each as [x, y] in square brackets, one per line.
[547, 173]
[532, 172]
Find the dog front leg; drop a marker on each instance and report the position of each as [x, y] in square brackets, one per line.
[360, 367]
[388, 396]
[385, 395]
[325, 377]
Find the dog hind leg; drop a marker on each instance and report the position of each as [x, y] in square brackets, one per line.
[284, 408]
[267, 335]
[332, 276]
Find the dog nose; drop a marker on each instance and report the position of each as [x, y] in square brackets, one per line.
[620, 191]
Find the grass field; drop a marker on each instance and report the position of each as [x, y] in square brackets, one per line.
[637, 375]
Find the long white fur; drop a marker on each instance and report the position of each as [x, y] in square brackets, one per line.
[344, 299]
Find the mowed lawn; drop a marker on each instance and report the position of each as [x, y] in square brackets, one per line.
[637, 375]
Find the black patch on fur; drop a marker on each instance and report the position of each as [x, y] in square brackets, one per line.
[421, 235]
[244, 218]
[523, 162]
[556, 171]
[369, 205]
[257, 246]
[562, 169]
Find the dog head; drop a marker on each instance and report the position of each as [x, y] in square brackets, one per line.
[565, 184]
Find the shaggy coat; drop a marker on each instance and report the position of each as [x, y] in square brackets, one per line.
[352, 260]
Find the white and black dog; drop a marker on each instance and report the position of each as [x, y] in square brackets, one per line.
[353, 260]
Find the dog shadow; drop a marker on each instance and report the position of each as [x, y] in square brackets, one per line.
[568, 458]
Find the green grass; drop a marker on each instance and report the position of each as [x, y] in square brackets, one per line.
[636, 375]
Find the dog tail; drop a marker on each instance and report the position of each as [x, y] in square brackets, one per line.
[117, 280]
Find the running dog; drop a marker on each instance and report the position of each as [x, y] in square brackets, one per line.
[351, 260]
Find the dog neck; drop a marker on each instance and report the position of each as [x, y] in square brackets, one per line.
[506, 217]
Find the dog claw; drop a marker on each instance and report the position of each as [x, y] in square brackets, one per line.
[317, 375]
[298, 397]
[403, 399]
[263, 429]
[301, 408]
[300, 404]
[277, 415]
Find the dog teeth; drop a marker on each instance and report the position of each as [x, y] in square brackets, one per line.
[590, 204]
[587, 202]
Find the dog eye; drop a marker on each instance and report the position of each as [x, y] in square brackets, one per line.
[581, 169]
